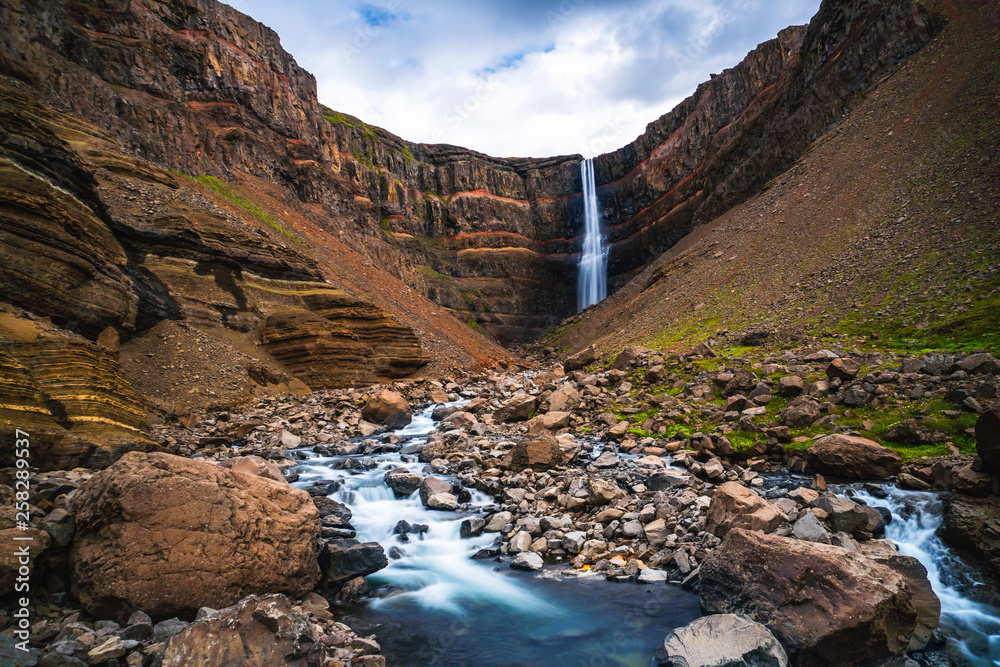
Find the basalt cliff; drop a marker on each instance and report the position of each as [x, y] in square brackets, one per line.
[175, 197]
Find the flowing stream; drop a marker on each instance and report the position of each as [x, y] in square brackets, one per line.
[592, 284]
[973, 628]
[437, 606]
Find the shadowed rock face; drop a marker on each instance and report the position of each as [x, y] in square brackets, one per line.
[196, 86]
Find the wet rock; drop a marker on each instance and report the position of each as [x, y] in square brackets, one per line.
[343, 559]
[527, 560]
[972, 524]
[432, 486]
[988, 439]
[844, 515]
[443, 501]
[402, 482]
[823, 603]
[733, 505]
[209, 537]
[387, 408]
[966, 479]
[853, 457]
[721, 640]
[262, 631]
[471, 527]
[911, 483]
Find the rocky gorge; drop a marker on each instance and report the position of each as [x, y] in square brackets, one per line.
[256, 348]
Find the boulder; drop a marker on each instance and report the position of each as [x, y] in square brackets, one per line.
[627, 357]
[982, 363]
[912, 432]
[537, 452]
[581, 359]
[432, 486]
[790, 386]
[810, 529]
[734, 505]
[168, 535]
[402, 482]
[721, 640]
[527, 560]
[925, 601]
[988, 438]
[10, 564]
[257, 632]
[562, 399]
[845, 369]
[803, 411]
[342, 560]
[972, 525]
[515, 409]
[549, 421]
[826, 605]
[852, 457]
[844, 515]
[443, 501]
[602, 492]
[387, 408]
[254, 465]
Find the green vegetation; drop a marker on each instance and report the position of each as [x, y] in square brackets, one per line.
[238, 200]
[407, 153]
[336, 118]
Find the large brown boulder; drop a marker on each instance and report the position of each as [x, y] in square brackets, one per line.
[537, 452]
[826, 605]
[387, 408]
[735, 506]
[562, 399]
[988, 439]
[257, 632]
[168, 535]
[581, 359]
[973, 525]
[515, 409]
[852, 457]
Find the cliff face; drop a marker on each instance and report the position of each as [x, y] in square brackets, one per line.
[196, 86]
[167, 159]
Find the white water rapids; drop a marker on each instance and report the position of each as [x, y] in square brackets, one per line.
[437, 607]
[973, 629]
[592, 285]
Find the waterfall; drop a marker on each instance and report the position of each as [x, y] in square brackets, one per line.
[593, 282]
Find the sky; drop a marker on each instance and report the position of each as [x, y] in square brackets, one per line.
[520, 78]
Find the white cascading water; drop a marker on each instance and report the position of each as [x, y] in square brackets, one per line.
[593, 282]
[973, 629]
[439, 608]
[436, 571]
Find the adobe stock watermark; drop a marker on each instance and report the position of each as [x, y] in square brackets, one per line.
[22, 543]
[563, 12]
[699, 42]
[365, 36]
[608, 138]
[459, 112]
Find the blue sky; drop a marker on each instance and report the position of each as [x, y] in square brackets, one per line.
[521, 77]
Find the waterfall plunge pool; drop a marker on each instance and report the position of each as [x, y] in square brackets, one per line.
[435, 606]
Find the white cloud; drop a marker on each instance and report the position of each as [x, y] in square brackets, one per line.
[519, 78]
